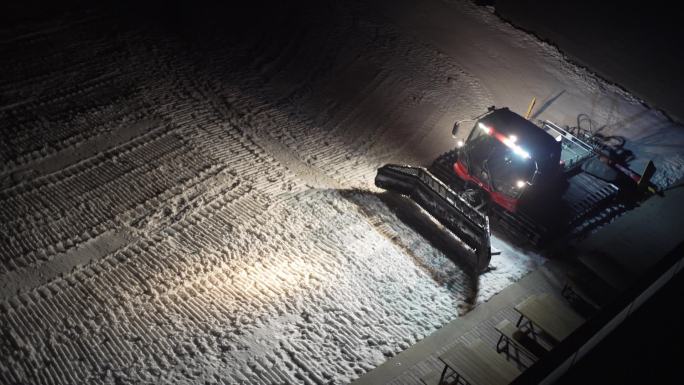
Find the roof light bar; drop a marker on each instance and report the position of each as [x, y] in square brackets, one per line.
[508, 141]
[487, 130]
[519, 151]
[516, 149]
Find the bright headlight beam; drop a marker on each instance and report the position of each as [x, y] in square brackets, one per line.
[520, 184]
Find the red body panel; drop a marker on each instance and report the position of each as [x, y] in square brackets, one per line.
[508, 203]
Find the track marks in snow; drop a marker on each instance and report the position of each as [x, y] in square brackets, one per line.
[187, 301]
[361, 111]
[233, 269]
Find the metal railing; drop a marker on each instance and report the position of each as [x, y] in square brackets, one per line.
[574, 149]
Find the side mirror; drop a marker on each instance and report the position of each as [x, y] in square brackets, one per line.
[455, 129]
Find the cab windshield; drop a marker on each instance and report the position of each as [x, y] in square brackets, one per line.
[498, 165]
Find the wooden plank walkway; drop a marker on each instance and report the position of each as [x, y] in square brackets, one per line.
[484, 331]
[478, 324]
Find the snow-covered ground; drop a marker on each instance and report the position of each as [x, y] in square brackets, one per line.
[198, 207]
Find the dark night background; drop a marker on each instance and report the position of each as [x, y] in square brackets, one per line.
[636, 46]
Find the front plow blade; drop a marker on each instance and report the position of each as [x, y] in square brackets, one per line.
[452, 211]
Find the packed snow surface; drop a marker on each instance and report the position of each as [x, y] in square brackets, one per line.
[197, 207]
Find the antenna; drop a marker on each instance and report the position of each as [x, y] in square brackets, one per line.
[529, 109]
